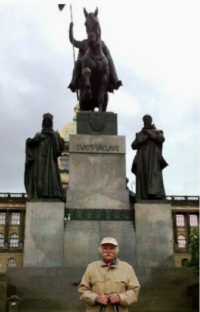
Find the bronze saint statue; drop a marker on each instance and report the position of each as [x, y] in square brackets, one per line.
[42, 177]
[149, 162]
[94, 74]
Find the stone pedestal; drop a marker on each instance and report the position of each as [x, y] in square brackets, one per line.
[154, 235]
[97, 198]
[97, 172]
[82, 239]
[44, 234]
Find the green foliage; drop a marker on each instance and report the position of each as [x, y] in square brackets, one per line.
[194, 250]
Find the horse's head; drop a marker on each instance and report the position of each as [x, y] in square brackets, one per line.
[93, 28]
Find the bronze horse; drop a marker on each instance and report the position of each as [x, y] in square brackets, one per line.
[95, 68]
[94, 73]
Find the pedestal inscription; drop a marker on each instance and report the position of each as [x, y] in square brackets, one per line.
[101, 145]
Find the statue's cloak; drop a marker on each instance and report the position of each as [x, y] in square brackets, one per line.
[42, 177]
[148, 165]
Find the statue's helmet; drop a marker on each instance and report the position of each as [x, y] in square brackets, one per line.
[147, 116]
[47, 121]
[48, 115]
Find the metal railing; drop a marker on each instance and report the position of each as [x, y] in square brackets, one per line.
[179, 249]
[174, 200]
[7, 246]
[13, 195]
[182, 198]
[168, 197]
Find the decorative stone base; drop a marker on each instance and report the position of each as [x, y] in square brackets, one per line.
[154, 235]
[99, 214]
[44, 234]
[95, 123]
[82, 239]
[97, 200]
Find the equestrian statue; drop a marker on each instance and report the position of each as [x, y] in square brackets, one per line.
[94, 73]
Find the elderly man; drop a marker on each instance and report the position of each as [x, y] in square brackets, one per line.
[110, 284]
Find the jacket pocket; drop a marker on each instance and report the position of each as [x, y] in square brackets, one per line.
[120, 286]
[98, 287]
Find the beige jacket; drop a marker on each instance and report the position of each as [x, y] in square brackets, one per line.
[119, 278]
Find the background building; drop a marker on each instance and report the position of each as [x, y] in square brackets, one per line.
[64, 159]
[185, 215]
[12, 225]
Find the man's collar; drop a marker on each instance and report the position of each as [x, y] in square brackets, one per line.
[113, 264]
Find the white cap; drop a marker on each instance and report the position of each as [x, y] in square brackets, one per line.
[109, 240]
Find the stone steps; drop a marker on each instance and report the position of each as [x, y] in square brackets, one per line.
[183, 271]
[153, 310]
[54, 289]
[45, 293]
[165, 280]
[130, 310]
[6, 291]
[164, 271]
[39, 292]
[151, 303]
[3, 305]
[50, 304]
[66, 282]
[161, 302]
[71, 271]
[44, 282]
[165, 291]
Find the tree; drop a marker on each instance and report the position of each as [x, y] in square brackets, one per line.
[194, 250]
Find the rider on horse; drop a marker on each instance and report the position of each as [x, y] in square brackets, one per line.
[113, 82]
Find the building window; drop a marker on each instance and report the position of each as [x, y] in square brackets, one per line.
[1, 240]
[15, 218]
[2, 218]
[14, 240]
[64, 163]
[184, 262]
[193, 220]
[11, 263]
[181, 241]
[180, 220]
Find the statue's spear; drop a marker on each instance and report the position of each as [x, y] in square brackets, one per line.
[61, 7]
[73, 36]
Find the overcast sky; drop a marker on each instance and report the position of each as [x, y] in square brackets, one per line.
[155, 47]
